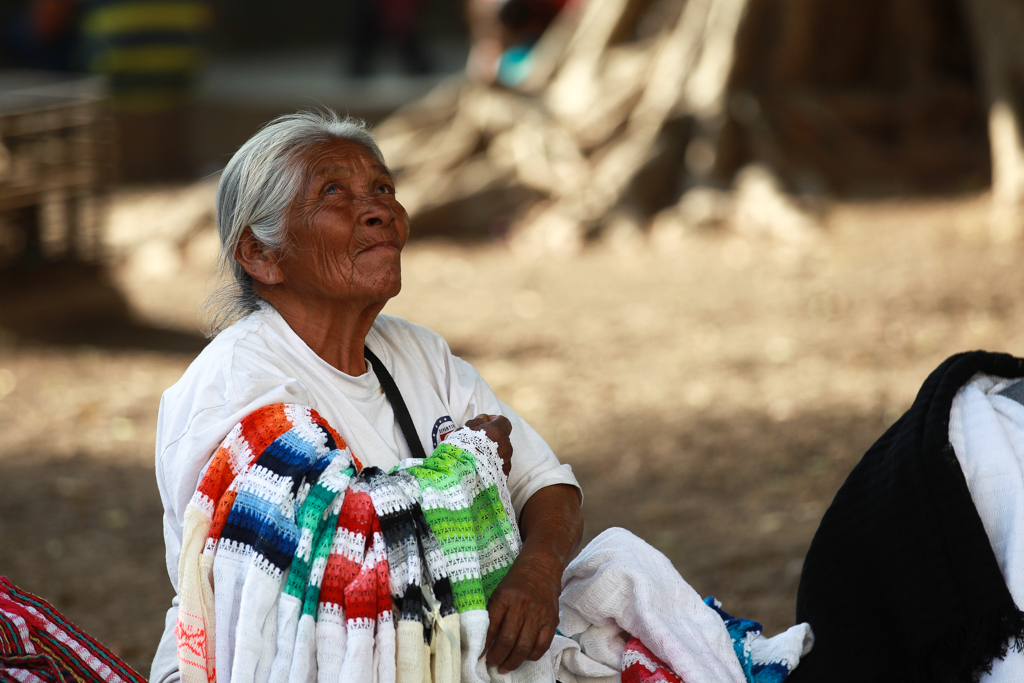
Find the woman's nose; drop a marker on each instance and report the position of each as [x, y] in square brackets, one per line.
[376, 213]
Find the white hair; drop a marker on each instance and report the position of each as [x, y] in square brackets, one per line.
[255, 191]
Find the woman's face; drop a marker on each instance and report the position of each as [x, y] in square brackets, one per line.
[346, 230]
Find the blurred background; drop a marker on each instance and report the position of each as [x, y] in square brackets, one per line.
[709, 248]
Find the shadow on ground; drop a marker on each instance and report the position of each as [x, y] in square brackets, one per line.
[732, 500]
[71, 304]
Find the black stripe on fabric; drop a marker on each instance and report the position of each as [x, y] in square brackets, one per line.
[331, 443]
[289, 455]
[269, 542]
[443, 594]
[399, 530]
[442, 585]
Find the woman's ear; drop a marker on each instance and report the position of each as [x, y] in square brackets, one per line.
[257, 260]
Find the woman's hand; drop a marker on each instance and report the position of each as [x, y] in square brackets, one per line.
[524, 607]
[524, 611]
[499, 430]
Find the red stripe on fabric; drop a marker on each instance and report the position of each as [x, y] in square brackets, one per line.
[258, 429]
[355, 517]
[73, 653]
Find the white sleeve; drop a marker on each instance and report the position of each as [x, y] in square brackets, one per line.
[180, 462]
[165, 663]
[534, 464]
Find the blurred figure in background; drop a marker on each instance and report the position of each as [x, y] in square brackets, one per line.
[152, 53]
[41, 34]
[503, 33]
[396, 22]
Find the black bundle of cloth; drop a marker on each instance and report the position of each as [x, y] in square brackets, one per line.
[900, 582]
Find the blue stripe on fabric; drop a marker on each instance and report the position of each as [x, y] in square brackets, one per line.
[289, 455]
[262, 524]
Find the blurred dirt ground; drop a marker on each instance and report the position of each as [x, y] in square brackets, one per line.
[711, 393]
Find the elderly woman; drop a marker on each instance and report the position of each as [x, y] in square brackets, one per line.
[313, 232]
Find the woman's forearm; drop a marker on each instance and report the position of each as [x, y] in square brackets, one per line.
[524, 608]
[552, 524]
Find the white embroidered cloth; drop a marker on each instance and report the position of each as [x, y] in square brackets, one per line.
[986, 429]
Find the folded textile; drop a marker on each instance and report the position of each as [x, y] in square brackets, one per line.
[295, 658]
[38, 645]
[640, 665]
[986, 430]
[352, 591]
[764, 660]
[619, 588]
[260, 528]
[901, 582]
[419, 582]
[619, 579]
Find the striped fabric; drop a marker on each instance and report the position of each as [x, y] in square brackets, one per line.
[465, 502]
[640, 665]
[763, 660]
[473, 524]
[151, 51]
[37, 645]
[310, 553]
[207, 517]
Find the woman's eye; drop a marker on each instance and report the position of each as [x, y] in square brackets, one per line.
[332, 189]
[385, 189]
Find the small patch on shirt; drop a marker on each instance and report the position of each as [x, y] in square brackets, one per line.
[1014, 391]
[442, 428]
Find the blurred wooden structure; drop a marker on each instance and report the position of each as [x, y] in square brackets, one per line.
[998, 30]
[55, 164]
[650, 110]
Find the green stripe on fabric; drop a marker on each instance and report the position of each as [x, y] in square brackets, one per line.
[320, 553]
[312, 520]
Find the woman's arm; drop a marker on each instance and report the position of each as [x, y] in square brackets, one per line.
[524, 608]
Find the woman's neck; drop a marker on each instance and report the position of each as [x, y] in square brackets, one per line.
[335, 330]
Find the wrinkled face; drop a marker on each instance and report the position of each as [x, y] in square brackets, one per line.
[346, 230]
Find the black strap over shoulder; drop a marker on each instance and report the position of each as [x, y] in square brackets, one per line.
[394, 397]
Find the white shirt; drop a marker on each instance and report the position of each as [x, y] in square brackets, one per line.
[260, 361]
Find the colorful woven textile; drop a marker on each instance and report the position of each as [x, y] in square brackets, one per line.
[465, 502]
[474, 523]
[639, 665]
[242, 516]
[308, 557]
[764, 660]
[207, 515]
[37, 645]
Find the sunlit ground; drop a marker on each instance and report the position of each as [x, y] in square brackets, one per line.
[711, 396]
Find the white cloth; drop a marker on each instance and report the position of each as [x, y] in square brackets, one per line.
[260, 361]
[618, 587]
[986, 431]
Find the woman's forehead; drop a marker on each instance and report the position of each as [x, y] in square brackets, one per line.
[344, 158]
